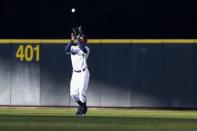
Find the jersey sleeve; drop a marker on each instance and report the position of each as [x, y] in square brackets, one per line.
[88, 51]
[82, 46]
[68, 48]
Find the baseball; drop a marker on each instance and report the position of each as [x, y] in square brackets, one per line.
[73, 10]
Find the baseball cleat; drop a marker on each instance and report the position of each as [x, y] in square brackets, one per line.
[79, 109]
[82, 115]
[83, 111]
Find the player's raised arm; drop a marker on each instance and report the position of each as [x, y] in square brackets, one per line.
[68, 46]
[82, 42]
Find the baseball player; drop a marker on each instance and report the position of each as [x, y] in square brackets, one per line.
[80, 77]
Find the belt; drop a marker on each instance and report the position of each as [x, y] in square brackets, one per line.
[79, 71]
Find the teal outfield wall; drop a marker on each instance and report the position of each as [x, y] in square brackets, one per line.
[122, 75]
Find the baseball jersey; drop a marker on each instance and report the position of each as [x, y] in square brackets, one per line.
[78, 57]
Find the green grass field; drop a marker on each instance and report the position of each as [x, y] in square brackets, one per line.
[62, 119]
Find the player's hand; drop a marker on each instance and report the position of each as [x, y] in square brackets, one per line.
[81, 39]
[72, 37]
[78, 37]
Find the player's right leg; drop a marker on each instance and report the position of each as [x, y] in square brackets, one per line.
[74, 88]
[74, 92]
[79, 109]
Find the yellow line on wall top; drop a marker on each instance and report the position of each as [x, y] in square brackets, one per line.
[100, 41]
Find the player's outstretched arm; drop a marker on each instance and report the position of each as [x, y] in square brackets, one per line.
[68, 46]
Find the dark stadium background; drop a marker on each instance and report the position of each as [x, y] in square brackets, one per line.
[101, 18]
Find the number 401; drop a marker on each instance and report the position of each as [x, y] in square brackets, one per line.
[28, 52]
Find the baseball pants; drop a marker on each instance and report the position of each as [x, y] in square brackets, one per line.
[78, 85]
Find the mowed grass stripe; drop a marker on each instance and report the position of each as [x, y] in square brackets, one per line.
[112, 112]
[59, 119]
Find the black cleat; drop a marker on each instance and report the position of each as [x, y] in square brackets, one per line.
[83, 111]
[79, 109]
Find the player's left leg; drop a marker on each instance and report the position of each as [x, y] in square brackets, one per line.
[83, 91]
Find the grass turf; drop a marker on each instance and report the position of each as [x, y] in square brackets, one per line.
[63, 119]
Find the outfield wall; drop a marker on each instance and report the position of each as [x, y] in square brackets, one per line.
[124, 73]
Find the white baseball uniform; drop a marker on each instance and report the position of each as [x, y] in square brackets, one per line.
[80, 76]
